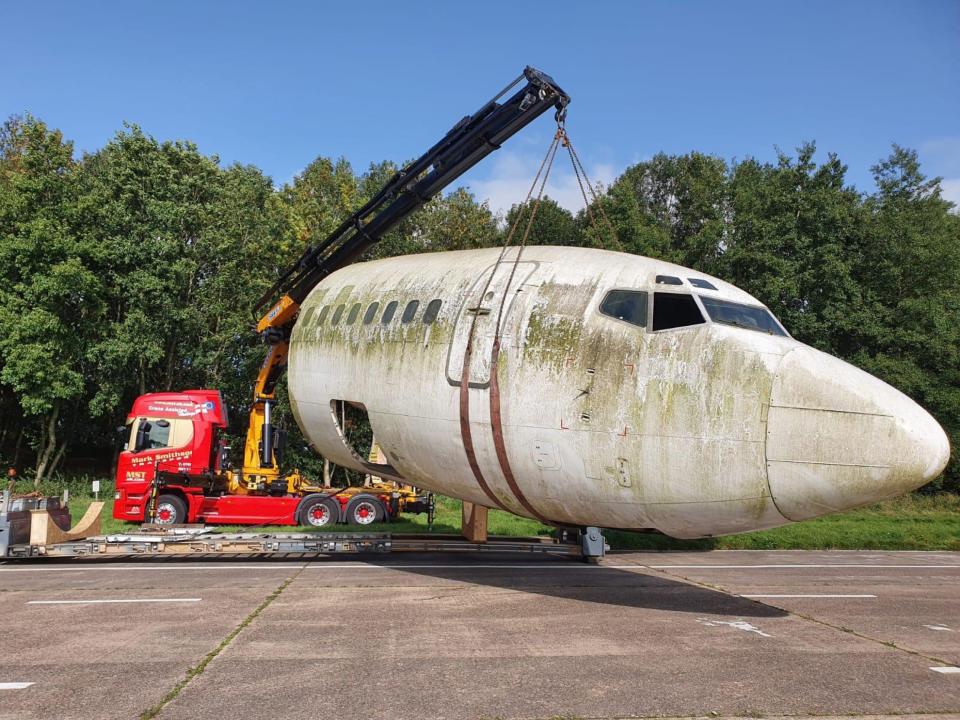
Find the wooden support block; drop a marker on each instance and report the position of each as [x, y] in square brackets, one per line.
[44, 531]
[474, 522]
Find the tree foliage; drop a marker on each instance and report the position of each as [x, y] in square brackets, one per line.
[133, 268]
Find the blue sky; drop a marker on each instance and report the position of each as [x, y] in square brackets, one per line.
[277, 84]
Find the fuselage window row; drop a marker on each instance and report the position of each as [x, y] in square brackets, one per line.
[389, 312]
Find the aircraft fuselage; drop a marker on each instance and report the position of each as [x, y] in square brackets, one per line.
[586, 387]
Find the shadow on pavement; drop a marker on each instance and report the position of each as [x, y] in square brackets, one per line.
[641, 588]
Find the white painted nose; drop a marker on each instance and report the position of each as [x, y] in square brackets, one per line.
[838, 438]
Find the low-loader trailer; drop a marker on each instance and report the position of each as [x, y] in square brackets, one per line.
[33, 528]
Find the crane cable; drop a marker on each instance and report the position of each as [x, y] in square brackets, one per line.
[560, 138]
[578, 169]
[546, 163]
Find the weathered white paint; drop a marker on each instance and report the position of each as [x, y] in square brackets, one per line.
[15, 685]
[946, 669]
[697, 431]
[735, 624]
[939, 628]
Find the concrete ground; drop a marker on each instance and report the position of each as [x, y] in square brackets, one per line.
[728, 633]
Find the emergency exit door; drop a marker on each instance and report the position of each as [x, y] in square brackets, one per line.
[479, 311]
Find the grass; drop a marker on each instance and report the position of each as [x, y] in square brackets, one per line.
[913, 522]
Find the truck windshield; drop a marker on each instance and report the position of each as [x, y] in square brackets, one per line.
[751, 317]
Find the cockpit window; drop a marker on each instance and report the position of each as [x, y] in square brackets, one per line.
[668, 280]
[627, 305]
[673, 310]
[701, 283]
[751, 317]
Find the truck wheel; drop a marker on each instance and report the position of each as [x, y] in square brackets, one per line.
[364, 510]
[318, 512]
[171, 510]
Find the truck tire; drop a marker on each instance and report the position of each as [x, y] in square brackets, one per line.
[171, 510]
[318, 511]
[365, 510]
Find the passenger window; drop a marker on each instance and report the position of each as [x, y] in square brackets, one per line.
[673, 310]
[409, 311]
[305, 320]
[352, 315]
[337, 314]
[627, 305]
[389, 312]
[433, 309]
[371, 313]
[323, 315]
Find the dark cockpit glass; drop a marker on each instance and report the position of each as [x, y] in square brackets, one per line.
[750, 317]
[674, 310]
[701, 283]
[627, 305]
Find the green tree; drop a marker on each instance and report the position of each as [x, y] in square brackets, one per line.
[552, 224]
[910, 276]
[50, 299]
[672, 208]
[793, 237]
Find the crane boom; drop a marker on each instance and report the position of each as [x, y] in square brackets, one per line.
[465, 145]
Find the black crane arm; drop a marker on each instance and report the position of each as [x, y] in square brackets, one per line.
[466, 144]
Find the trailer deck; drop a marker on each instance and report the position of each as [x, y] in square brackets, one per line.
[204, 541]
[40, 528]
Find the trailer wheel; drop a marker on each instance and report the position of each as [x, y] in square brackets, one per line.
[318, 512]
[365, 510]
[171, 510]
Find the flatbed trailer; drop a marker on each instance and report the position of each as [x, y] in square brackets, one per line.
[201, 542]
[40, 528]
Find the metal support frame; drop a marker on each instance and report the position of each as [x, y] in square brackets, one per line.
[593, 546]
[198, 542]
[4, 523]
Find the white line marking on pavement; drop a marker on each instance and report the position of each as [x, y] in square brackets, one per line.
[14, 685]
[941, 628]
[736, 624]
[121, 600]
[321, 565]
[947, 670]
[807, 595]
[796, 566]
[165, 567]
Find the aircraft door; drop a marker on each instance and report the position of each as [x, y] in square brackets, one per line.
[482, 304]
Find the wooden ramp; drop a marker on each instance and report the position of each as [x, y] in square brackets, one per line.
[44, 531]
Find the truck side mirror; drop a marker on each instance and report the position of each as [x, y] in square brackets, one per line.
[143, 437]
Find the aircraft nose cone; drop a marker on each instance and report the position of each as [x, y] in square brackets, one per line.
[838, 438]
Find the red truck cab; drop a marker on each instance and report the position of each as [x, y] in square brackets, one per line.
[175, 439]
[172, 432]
